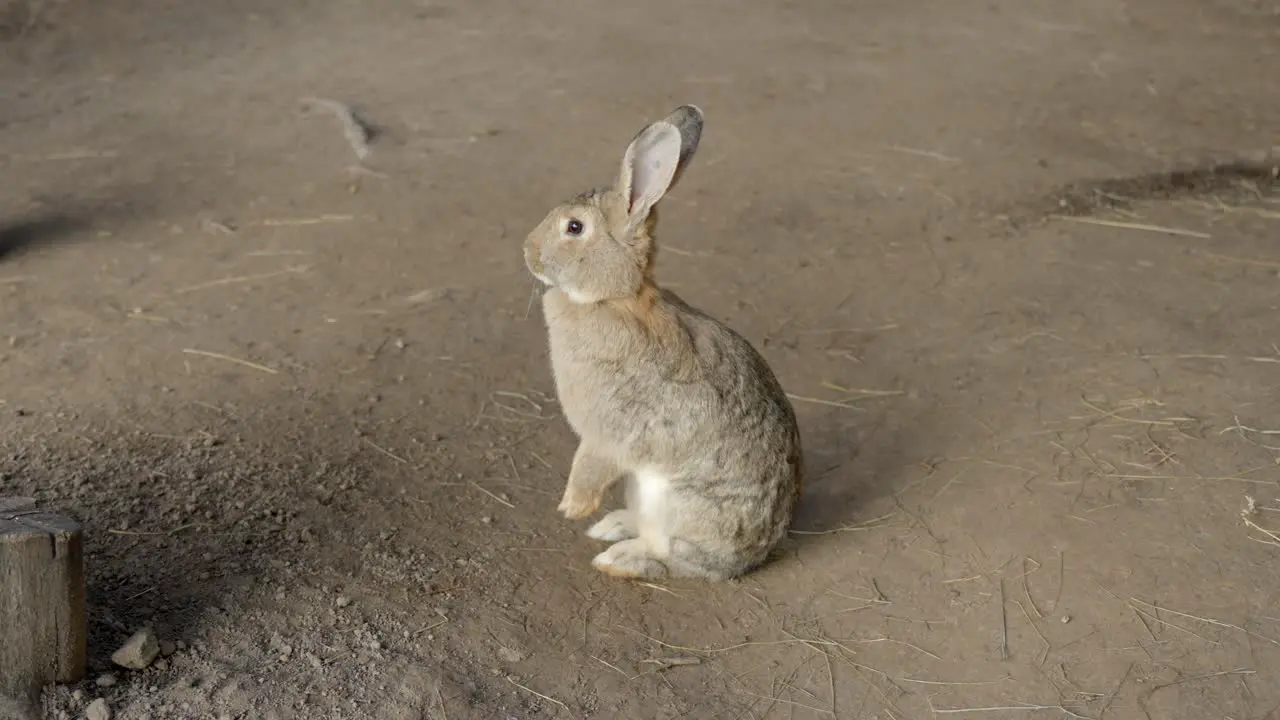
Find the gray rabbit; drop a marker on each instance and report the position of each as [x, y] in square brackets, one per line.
[659, 393]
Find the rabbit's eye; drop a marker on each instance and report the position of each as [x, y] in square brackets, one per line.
[574, 227]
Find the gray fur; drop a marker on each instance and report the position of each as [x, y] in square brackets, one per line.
[655, 388]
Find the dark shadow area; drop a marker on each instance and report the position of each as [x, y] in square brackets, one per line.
[27, 234]
[17, 18]
[173, 565]
[1235, 178]
[852, 464]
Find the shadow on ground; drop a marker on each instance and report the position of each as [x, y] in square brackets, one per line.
[43, 230]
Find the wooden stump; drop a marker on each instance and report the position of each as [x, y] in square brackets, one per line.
[42, 614]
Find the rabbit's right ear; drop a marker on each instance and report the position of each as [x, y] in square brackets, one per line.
[655, 159]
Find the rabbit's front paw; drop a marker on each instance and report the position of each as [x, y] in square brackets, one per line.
[578, 503]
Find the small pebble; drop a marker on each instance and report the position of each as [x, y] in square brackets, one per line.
[106, 680]
[98, 710]
[139, 651]
[1065, 619]
[342, 601]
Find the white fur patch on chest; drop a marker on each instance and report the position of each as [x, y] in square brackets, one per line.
[652, 492]
[579, 297]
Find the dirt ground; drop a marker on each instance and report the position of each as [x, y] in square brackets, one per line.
[1015, 260]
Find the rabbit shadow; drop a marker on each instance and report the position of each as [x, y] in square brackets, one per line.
[24, 235]
[852, 464]
[60, 219]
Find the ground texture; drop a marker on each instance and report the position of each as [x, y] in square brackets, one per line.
[1015, 260]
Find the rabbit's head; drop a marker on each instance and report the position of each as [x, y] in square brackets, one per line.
[599, 245]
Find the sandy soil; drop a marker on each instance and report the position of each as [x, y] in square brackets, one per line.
[1014, 259]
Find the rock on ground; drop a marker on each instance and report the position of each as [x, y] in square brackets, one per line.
[98, 710]
[139, 651]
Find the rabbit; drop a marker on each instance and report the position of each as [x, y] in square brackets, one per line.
[658, 392]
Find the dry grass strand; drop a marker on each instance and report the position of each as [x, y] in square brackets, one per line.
[228, 358]
[1134, 226]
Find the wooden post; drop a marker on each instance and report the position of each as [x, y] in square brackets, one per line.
[42, 615]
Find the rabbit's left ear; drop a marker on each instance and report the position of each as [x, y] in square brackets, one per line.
[656, 158]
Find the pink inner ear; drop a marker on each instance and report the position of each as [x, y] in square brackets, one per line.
[652, 158]
[645, 175]
[637, 183]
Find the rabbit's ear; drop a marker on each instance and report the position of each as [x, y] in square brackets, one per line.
[656, 158]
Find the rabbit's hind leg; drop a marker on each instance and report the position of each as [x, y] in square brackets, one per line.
[636, 559]
[616, 526]
[641, 555]
[622, 524]
[630, 559]
[687, 559]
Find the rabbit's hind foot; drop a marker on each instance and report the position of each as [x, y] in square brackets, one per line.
[630, 559]
[616, 526]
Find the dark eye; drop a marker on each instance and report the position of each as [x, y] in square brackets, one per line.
[574, 227]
